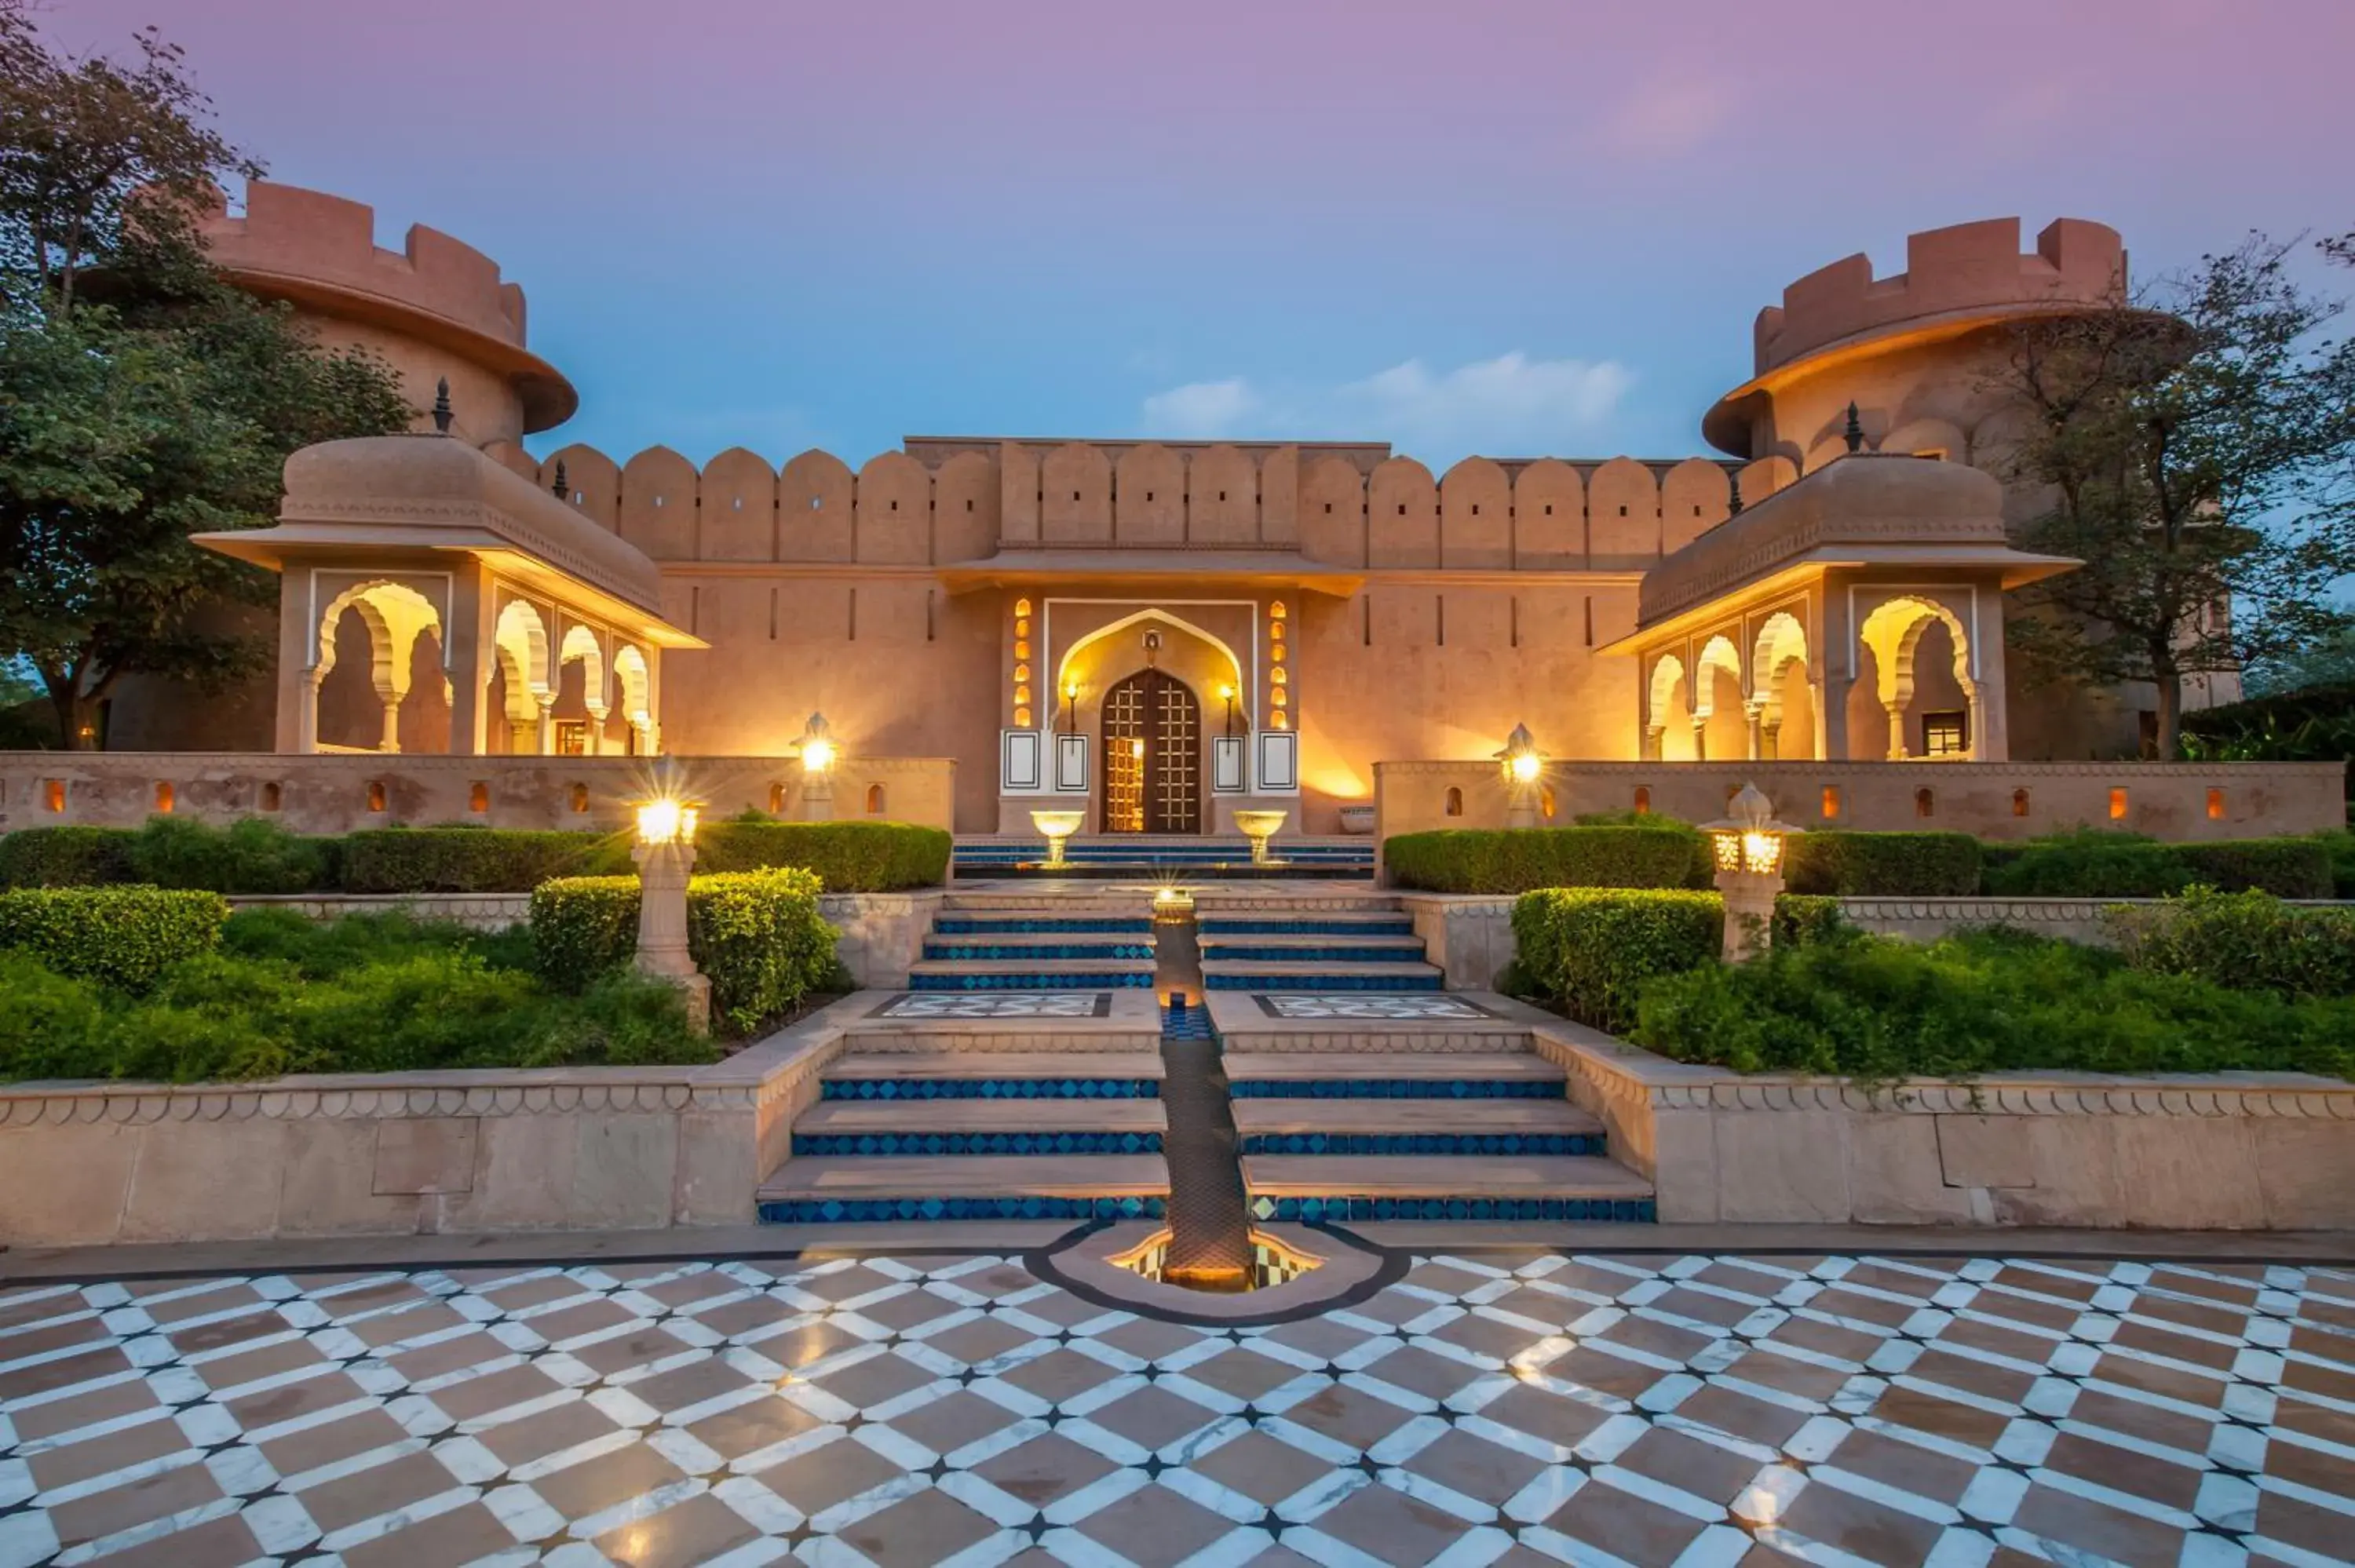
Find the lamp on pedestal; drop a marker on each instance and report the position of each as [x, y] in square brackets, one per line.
[817, 748]
[665, 853]
[1747, 844]
[1523, 765]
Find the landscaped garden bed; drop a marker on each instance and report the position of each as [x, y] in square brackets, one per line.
[168, 985]
[2209, 982]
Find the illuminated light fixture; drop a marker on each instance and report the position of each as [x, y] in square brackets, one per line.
[1056, 828]
[1523, 765]
[1747, 845]
[818, 755]
[664, 854]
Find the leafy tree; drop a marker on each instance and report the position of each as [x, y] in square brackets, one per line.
[142, 398]
[2190, 443]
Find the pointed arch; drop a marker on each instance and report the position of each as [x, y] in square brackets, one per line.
[1063, 665]
[1893, 633]
[1718, 653]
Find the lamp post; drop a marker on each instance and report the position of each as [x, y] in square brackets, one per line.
[1227, 695]
[1747, 843]
[1071, 708]
[665, 853]
[1523, 765]
[816, 747]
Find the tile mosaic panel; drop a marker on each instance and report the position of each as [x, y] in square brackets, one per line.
[1371, 1009]
[1497, 1408]
[1028, 1004]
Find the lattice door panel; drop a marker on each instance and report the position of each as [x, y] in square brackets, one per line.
[1173, 761]
[1124, 716]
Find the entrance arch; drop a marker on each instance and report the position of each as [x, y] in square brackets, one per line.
[1152, 756]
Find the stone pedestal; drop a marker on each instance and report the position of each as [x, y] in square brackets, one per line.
[662, 870]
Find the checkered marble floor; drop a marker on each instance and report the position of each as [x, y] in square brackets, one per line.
[1511, 1408]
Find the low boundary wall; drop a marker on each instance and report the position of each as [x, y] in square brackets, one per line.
[403, 1153]
[2210, 1152]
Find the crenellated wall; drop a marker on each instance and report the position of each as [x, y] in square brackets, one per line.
[942, 503]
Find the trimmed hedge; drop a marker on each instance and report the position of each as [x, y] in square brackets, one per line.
[2103, 863]
[119, 937]
[1860, 865]
[848, 857]
[756, 934]
[1522, 860]
[1592, 949]
[1808, 917]
[474, 860]
[65, 857]
[256, 855]
[2249, 941]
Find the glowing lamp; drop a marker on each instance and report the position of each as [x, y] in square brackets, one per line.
[667, 822]
[816, 745]
[1523, 765]
[1746, 844]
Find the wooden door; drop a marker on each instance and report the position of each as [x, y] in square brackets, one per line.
[1152, 770]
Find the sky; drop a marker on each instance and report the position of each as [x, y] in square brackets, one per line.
[1509, 226]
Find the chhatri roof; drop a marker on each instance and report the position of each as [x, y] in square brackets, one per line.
[381, 495]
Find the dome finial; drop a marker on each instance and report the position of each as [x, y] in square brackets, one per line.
[1854, 432]
[441, 411]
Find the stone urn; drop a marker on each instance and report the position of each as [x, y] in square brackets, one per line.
[1057, 826]
[1357, 819]
[1259, 827]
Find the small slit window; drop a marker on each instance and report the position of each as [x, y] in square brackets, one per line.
[478, 797]
[579, 796]
[1643, 800]
[270, 796]
[2117, 805]
[1454, 803]
[164, 796]
[376, 795]
[2215, 805]
[776, 799]
[1546, 802]
[875, 800]
[2019, 802]
[1925, 803]
[1830, 807]
[53, 794]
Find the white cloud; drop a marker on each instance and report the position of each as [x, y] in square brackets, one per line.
[1201, 410]
[1506, 406]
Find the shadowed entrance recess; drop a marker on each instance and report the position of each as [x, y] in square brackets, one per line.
[1152, 756]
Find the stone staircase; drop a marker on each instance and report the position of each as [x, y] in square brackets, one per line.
[1037, 942]
[1342, 1137]
[1177, 856]
[1357, 945]
[946, 1134]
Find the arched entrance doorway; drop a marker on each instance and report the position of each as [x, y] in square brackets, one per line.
[1152, 756]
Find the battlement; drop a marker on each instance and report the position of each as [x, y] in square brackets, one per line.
[321, 251]
[1966, 268]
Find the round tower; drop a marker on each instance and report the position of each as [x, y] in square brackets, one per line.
[436, 308]
[1915, 351]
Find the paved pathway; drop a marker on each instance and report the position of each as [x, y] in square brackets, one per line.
[1495, 1407]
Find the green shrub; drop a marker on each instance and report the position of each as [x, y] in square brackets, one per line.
[65, 857]
[1879, 1008]
[474, 860]
[118, 936]
[1898, 865]
[2088, 862]
[848, 857]
[2285, 867]
[2340, 848]
[1592, 949]
[1520, 860]
[2246, 940]
[756, 934]
[252, 854]
[51, 1026]
[1809, 918]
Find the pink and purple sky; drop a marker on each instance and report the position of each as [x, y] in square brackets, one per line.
[1502, 226]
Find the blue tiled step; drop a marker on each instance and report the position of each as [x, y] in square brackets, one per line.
[1395, 1089]
[1305, 925]
[1071, 1088]
[1028, 925]
[1310, 950]
[1561, 1143]
[868, 1210]
[1036, 951]
[825, 1190]
[1050, 977]
[1445, 1187]
[1345, 1208]
[877, 1144]
[1233, 974]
